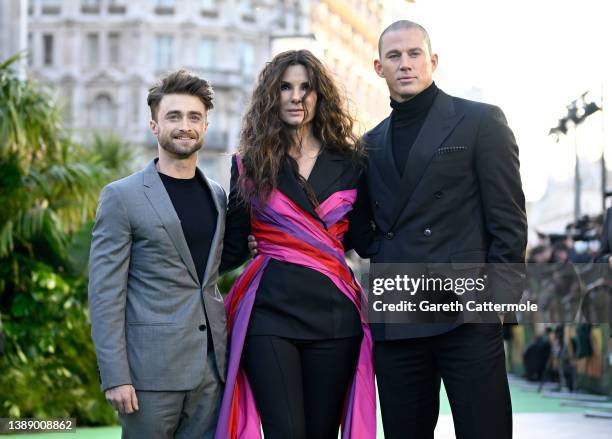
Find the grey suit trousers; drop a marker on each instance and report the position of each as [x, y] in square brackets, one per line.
[180, 414]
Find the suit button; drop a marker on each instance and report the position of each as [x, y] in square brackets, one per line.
[438, 195]
[376, 204]
[389, 235]
[427, 232]
[202, 327]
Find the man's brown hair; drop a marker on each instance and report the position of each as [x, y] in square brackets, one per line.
[180, 82]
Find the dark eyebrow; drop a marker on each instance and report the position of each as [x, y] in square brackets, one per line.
[288, 83]
[180, 113]
[397, 51]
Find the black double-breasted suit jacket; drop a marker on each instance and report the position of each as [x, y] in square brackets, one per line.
[459, 200]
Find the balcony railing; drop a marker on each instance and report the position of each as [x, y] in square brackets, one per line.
[51, 9]
[209, 13]
[116, 8]
[90, 8]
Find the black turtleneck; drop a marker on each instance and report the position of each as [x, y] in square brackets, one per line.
[406, 121]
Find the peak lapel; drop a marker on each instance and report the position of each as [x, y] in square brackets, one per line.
[214, 246]
[380, 153]
[439, 123]
[328, 168]
[160, 200]
[289, 185]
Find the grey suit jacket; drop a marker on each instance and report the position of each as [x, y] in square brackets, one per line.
[147, 307]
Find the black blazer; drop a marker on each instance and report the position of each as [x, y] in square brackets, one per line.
[458, 201]
[292, 300]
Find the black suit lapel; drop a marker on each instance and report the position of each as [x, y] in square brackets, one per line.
[327, 170]
[380, 153]
[439, 123]
[289, 185]
[155, 191]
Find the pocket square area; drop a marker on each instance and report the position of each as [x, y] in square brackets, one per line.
[450, 149]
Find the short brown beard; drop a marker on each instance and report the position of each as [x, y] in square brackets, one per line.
[167, 143]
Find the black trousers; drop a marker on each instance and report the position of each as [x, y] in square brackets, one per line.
[300, 386]
[470, 360]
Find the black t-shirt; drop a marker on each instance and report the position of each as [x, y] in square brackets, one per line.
[196, 210]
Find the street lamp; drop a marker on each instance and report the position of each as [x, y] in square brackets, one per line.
[577, 112]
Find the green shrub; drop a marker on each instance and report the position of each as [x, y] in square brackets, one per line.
[49, 188]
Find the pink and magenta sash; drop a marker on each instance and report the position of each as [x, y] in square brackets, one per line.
[285, 232]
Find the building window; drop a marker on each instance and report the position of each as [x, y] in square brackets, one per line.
[206, 53]
[247, 58]
[90, 6]
[116, 7]
[135, 103]
[247, 10]
[216, 137]
[30, 49]
[209, 8]
[163, 51]
[102, 112]
[51, 7]
[48, 50]
[164, 7]
[114, 48]
[93, 52]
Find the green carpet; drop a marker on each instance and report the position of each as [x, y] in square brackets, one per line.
[81, 433]
[522, 402]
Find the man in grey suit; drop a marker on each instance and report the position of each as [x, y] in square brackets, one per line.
[158, 320]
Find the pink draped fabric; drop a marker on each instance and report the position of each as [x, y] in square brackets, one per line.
[285, 232]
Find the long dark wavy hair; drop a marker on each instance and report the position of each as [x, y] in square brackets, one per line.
[265, 140]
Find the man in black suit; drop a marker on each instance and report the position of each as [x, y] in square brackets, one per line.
[445, 187]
